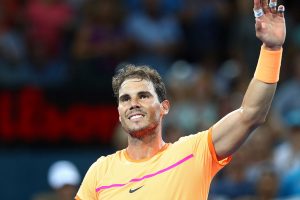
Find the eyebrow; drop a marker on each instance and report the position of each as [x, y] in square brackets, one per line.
[123, 96]
[145, 93]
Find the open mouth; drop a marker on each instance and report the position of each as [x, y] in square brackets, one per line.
[135, 116]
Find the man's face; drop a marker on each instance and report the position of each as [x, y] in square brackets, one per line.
[140, 111]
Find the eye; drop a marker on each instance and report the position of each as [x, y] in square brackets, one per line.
[144, 96]
[124, 98]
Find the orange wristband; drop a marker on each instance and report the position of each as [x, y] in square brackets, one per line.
[268, 66]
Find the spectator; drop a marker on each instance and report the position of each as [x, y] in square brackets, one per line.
[156, 36]
[203, 23]
[261, 145]
[242, 34]
[267, 185]
[12, 54]
[100, 44]
[287, 157]
[287, 98]
[233, 182]
[191, 90]
[64, 179]
[47, 21]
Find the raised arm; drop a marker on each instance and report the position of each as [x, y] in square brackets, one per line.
[230, 132]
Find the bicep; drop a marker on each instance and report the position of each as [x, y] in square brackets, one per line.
[229, 133]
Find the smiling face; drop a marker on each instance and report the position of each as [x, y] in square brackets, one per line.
[140, 111]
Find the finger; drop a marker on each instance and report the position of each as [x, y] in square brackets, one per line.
[265, 6]
[281, 10]
[257, 5]
[273, 6]
[258, 11]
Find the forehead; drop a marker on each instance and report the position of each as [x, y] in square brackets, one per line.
[134, 85]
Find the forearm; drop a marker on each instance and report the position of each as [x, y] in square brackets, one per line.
[256, 102]
[260, 92]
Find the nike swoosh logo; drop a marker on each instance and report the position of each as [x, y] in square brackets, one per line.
[133, 190]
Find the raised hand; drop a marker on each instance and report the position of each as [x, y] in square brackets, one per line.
[270, 23]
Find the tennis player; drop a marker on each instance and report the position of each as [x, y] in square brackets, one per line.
[149, 168]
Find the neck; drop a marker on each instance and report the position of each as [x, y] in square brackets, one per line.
[143, 148]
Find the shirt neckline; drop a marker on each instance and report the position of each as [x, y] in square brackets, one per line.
[126, 156]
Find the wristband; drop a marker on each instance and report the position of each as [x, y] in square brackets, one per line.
[268, 66]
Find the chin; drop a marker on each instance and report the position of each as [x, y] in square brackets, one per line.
[142, 132]
[138, 133]
[135, 128]
[139, 130]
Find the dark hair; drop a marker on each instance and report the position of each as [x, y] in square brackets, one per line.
[142, 72]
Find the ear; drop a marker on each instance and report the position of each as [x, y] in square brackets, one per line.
[119, 114]
[165, 107]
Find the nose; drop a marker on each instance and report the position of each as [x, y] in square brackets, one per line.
[134, 103]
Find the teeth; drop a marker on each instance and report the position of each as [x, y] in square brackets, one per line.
[136, 116]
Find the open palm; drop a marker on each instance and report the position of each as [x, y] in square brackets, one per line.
[270, 28]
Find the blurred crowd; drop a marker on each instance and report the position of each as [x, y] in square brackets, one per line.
[206, 52]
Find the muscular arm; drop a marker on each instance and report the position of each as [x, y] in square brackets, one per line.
[230, 132]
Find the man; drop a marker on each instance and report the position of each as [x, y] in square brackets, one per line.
[151, 169]
[64, 179]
